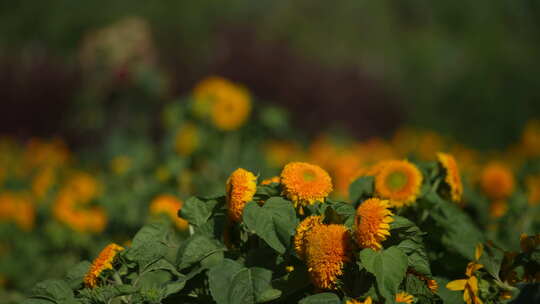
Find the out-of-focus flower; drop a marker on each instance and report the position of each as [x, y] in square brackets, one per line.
[40, 153]
[304, 183]
[530, 138]
[187, 139]
[85, 186]
[104, 261]
[452, 176]
[327, 251]
[497, 181]
[240, 188]
[398, 181]
[121, 164]
[498, 208]
[17, 207]
[227, 104]
[43, 181]
[372, 222]
[278, 153]
[118, 46]
[532, 184]
[169, 205]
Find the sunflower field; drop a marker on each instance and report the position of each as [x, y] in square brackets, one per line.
[159, 177]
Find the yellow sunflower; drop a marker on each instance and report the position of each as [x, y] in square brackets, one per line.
[302, 231]
[399, 181]
[372, 222]
[403, 297]
[227, 104]
[305, 184]
[169, 205]
[102, 262]
[497, 181]
[366, 301]
[327, 250]
[120, 164]
[186, 140]
[240, 188]
[469, 287]
[452, 178]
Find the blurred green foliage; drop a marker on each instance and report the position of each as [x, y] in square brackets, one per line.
[467, 69]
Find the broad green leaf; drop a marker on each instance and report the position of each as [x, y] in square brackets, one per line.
[75, 275]
[448, 296]
[388, 266]
[321, 298]
[150, 233]
[196, 211]
[492, 258]
[106, 293]
[360, 188]
[195, 249]
[275, 222]
[460, 234]
[54, 290]
[232, 283]
[219, 279]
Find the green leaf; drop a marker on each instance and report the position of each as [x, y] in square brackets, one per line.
[150, 233]
[232, 283]
[388, 266]
[196, 211]
[360, 188]
[219, 279]
[275, 222]
[492, 258]
[106, 293]
[53, 290]
[459, 232]
[448, 296]
[321, 298]
[195, 249]
[75, 275]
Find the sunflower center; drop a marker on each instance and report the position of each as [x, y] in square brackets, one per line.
[308, 175]
[396, 180]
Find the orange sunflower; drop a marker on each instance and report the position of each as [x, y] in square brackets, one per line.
[303, 229]
[169, 205]
[403, 297]
[240, 188]
[372, 221]
[452, 178]
[398, 181]
[102, 262]
[304, 183]
[497, 181]
[271, 180]
[327, 251]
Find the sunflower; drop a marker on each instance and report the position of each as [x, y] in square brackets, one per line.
[240, 188]
[452, 178]
[278, 152]
[186, 140]
[305, 183]
[227, 104]
[399, 181]
[102, 262]
[533, 189]
[469, 287]
[271, 180]
[372, 222]
[366, 301]
[327, 250]
[302, 231]
[403, 297]
[498, 208]
[497, 181]
[169, 205]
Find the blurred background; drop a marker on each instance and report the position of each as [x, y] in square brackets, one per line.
[468, 70]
